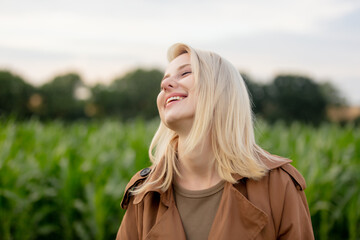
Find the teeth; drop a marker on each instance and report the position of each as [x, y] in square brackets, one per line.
[173, 98]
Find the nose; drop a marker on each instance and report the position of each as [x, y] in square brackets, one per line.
[168, 83]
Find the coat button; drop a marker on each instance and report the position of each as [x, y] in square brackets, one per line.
[145, 172]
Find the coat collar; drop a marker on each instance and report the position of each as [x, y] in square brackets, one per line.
[234, 210]
[155, 187]
[166, 199]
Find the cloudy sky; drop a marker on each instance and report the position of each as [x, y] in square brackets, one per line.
[103, 39]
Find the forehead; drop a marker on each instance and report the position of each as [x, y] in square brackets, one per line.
[183, 59]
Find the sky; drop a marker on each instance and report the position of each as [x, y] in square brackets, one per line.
[102, 40]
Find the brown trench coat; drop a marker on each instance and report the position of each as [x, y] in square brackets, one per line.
[274, 207]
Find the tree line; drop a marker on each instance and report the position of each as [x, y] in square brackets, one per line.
[67, 97]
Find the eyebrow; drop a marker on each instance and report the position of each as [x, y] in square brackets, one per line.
[178, 69]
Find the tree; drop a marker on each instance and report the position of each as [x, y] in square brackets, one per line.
[130, 96]
[59, 100]
[296, 98]
[257, 94]
[332, 95]
[14, 95]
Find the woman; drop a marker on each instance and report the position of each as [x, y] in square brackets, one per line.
[209, 179]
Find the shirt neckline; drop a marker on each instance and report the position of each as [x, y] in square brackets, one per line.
[199, 193]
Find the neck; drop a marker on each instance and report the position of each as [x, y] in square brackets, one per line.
[197, 168]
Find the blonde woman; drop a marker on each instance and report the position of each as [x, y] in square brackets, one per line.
[209, 179]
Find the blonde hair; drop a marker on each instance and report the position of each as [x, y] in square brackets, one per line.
[223, 110]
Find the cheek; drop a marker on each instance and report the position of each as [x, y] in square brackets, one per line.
[189, 82]
[194, 102]
[159, 100]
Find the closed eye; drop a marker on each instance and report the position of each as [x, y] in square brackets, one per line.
[185, 73]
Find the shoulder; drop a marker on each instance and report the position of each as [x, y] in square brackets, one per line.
[286, 175]
[288, 204]
[289, 171]
[281, 171]
[135, 181]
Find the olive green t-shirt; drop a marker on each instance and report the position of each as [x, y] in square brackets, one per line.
[197, 209]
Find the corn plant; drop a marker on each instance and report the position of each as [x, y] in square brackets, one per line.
[66, 180]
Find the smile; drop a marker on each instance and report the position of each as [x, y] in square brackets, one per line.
[174, 98]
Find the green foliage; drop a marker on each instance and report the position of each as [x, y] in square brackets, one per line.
[61, 181]
[59, 99]
[133, 95]
[14, 94]
[332, 94]
[258, 94]
[291, 98]
[287, 97]
[297, 98]
[65, 181]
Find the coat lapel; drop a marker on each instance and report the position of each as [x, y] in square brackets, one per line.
[237, 217]
[169, 225]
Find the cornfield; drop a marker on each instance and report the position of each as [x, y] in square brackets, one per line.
[66, 181]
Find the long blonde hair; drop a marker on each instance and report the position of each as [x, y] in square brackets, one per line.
[223, 110]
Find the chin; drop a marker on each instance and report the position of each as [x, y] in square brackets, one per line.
[171, 123]
[178, 124]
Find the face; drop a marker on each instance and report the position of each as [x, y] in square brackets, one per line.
[176, 101]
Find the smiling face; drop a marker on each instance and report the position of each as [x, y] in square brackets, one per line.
[176, 101]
